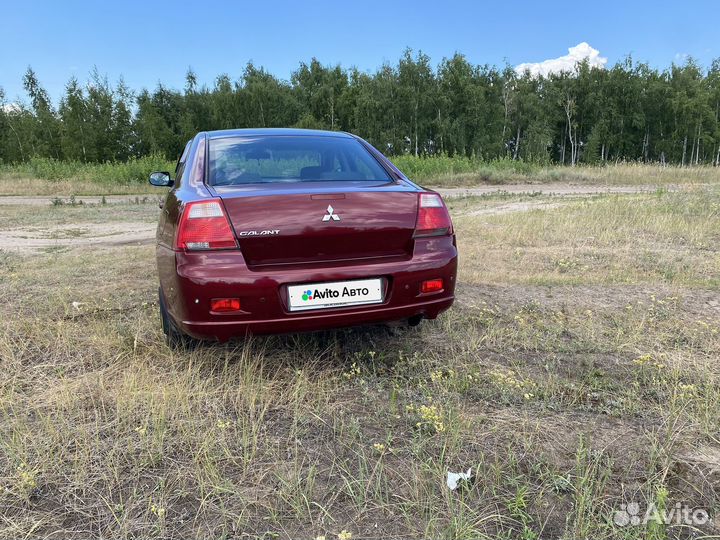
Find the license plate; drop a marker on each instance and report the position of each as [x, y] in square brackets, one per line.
[336, 294]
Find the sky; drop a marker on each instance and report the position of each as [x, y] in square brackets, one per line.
[150, 41]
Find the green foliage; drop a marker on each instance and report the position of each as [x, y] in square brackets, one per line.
[474, 114]
[132, 170]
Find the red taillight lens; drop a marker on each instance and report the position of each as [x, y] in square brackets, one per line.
[433, 218]
[225, 304]
[204, 225]
[431, 285]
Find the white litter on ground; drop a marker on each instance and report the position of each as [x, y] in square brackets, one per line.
[453, 479]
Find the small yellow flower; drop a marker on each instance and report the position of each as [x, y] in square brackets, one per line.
[321, 537]
[157, 510]
[344, 535]
[431, 416]
[353, 372]
[142, 430]
[26, 477]
[687, 390]
[379, 447]
[645, 359]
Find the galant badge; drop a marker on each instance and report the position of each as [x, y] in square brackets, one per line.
[330, 215]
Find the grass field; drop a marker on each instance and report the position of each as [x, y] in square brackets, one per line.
[578, 372]
[50, 177]
[42, 176]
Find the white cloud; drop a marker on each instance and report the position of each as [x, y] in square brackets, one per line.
[10, 108]
[578, 53]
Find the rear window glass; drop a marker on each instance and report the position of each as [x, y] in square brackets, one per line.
[253, 160]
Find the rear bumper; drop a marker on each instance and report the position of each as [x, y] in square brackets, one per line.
[224, 330]
[190, 280]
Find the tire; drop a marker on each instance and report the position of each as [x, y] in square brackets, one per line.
[174, 337]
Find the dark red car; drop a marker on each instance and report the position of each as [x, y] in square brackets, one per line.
[288, 230]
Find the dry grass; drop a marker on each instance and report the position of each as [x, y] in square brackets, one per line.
[663, 237]
[577, 372]
[632, 174]
[69, 215]
[21, 181]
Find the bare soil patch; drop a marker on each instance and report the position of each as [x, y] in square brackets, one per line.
[96, 234]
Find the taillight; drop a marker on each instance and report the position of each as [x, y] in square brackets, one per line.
[433, 218]
[431, 285]
[223, 305]
[204, 225]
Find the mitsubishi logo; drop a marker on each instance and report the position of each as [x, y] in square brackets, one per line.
[330, 215]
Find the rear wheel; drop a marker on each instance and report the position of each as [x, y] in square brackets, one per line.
[174, 337]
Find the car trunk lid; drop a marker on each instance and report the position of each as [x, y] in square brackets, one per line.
[283, 225]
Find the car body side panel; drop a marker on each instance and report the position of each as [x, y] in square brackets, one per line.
[189, 187]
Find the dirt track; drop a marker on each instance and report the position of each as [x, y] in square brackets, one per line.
[82, 234]
[29, 239]
[547, 189]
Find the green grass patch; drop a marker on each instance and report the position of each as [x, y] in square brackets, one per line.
[44, 176]
[133, 170]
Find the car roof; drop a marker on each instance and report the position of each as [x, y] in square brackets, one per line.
[293, 132]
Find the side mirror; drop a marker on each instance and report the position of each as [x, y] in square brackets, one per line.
[161, 179]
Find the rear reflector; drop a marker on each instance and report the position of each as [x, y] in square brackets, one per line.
[225, 304]
[431, 285]
[204, 225]
[433, 218]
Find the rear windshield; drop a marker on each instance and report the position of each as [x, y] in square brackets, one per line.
[276, 158]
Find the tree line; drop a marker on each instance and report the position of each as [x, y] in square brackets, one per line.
[630, 111]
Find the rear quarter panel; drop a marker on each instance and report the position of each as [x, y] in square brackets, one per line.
[187, 188]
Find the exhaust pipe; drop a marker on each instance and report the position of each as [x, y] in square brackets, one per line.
[415, 320]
